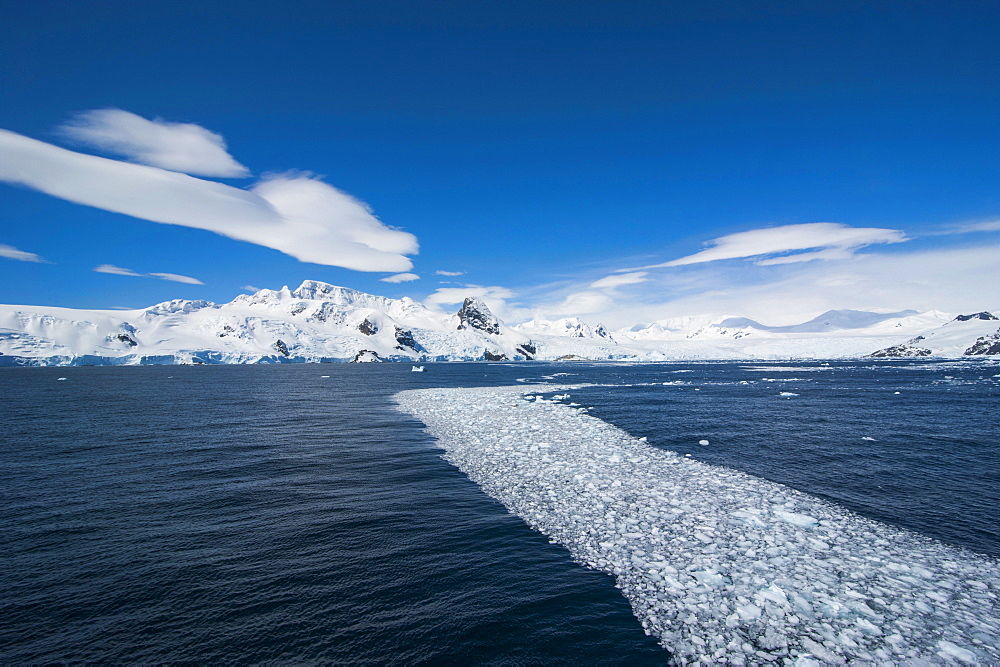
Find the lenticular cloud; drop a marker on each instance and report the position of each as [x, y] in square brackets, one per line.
[784, 245]
[183, 147]
[298, 215]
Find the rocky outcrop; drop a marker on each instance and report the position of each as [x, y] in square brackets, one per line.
[494, 356]
[476, 315]
[527, 350]
[985, 345]
[366, 356]
[368, 327]
[984, 315]
[404, 340]
[901, 351]
[280, 346]
[125, 338]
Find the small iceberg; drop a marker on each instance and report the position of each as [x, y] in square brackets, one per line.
[787, 394]
[417, 369]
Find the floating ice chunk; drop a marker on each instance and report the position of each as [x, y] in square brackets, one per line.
[868, 438]
[703, 442]
[800, 520]
[59, 379]
[324, 376]
[748, 612]
[417, 369]
[749, 518]
[867, 627]
[774, 593]
[787, 394]
[950, 650]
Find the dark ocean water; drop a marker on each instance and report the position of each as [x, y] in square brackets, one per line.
[268, 513]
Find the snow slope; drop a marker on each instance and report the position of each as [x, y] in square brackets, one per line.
[322, 322]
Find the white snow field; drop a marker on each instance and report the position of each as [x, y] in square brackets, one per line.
[722, 567]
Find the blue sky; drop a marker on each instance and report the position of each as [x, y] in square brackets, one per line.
[561, 156]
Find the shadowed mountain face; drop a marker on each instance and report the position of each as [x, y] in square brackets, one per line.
[830, 320]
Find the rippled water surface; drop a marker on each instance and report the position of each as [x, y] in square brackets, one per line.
[269, 513]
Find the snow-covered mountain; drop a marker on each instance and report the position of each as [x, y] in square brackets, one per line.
[321, 322]
[977, 334]
[567, 326]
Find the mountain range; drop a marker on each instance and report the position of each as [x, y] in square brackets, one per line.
[318, 322]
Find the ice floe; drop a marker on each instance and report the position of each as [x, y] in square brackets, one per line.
[720, 566]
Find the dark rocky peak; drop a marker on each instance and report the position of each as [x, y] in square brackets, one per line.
[404, 339]
[126, 339]
[369, 327]
[475, 314]
[984, 315]
[602, 332]
[280, 346]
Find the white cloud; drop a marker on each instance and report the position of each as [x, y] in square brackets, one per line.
[584, 303]
[619, 279]
[947, 279]
[829, 240]
[10, 252]
[177, 278]
[985, 226]
[297, 215]
[119, 271]
[116, 270]
[250, 288]
[400, 278]
[450, 273]
[942, 279]
[182, 147]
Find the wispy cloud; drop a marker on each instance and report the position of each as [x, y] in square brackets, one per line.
[250, 288]
[298, 215]
[778, 245]
[120, 271]
[177, 278]
[619, 279]
[400, 278]
[450, 273]
[981, 226]
[585, 303]
[10, 252]
[116, 270]
[183, 147]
